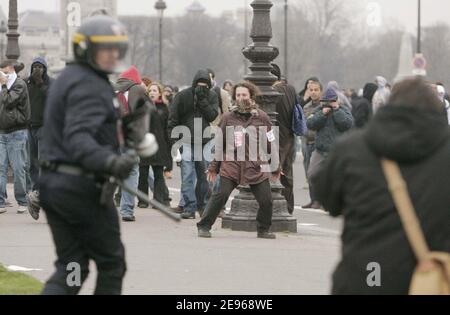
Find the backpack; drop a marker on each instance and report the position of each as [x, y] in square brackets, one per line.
[299, 121]
[432, 274]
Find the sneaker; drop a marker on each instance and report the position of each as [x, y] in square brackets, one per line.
[267, 235]
[178, 210]
[202, 233]
[8, 204]
[308, 206]
[2, 210]
[142, 205]
[131, 218]
[33, 204]
[22, 210]
[188, 215]
[315, 205]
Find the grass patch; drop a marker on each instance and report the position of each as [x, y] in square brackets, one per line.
[15, 283]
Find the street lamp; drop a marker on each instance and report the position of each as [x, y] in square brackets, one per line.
[160, 6]
[261, 54]
[12, 48]
[419, 27]
[3, 31]
[286, 56]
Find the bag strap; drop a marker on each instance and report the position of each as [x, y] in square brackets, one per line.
[405, 208]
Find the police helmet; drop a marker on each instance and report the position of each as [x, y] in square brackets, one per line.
[99, 32]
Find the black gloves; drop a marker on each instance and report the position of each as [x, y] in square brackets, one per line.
[121, 166]
[202, 92]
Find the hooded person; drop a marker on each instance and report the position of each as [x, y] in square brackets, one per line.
[362, 109]
[131, 92]
[193, 109]
[38, 85]
[352, 184]
[343, 100]
[382, 94]
[441, 93]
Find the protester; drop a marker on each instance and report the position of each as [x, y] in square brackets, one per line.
[38, 84]
[309, 140]
[235, 172]
[362, 109]
[130, 91]
[330, 121]
[352, 184]
[161, 163]
[15, 115]
[285, 110]
[194, 105]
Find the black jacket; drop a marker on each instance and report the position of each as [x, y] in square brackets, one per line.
[159, 116]
[81, 120]
[38, 95]
[362, 108]
[14, 107]
[352, 184]
[186, 107]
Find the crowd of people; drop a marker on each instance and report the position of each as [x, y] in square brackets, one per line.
[404, 123]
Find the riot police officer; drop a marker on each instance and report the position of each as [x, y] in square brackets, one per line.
[81, 149]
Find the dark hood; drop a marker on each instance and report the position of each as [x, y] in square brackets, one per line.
[202, 75]
[369, 91]
[406, 134]
[43, 62]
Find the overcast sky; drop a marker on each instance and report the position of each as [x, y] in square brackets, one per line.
[402, 10]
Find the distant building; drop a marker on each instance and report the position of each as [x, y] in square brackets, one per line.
[39, 36]
[195, 8]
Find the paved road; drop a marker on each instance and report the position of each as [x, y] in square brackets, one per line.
[167, 258]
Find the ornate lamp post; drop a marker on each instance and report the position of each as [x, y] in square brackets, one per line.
[12, 49]
[3, 31]
[261, 53]
[160, 6]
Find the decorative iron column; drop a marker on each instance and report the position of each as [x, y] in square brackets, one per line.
[12, 49]
[261, 53]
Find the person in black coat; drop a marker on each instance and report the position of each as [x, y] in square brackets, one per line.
[161, 162]
[196, 104]
[38, 85]
[362, 108]
[412, 132]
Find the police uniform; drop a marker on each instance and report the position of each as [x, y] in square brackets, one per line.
[79, 141]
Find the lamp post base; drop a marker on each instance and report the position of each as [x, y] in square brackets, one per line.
[245, 208]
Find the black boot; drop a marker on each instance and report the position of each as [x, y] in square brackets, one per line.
[266, 235]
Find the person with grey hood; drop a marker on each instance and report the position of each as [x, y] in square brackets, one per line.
[382, 95]
[38, 85]
[199, 105]
[343, 100]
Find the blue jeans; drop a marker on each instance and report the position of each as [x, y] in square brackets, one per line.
[194, 186]
[128, 201]
[13, 150]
